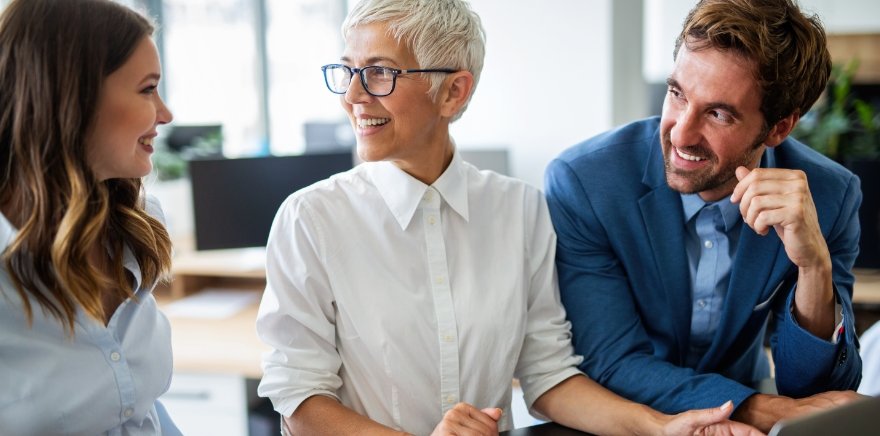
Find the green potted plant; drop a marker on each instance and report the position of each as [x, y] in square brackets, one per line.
[842, 126]
[847, 129]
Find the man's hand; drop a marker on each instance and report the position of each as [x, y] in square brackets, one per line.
[762, 411]
[781, 199]
[466, 420]
[708, 422]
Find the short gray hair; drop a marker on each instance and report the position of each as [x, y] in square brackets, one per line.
[440, 33]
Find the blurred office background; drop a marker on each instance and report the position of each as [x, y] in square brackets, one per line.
[243, 79]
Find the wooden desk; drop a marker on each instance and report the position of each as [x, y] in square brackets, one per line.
[239, 268]
[867, 287]
[217, 346]
[866, 298]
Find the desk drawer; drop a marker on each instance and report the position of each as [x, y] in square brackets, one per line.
[207, 404]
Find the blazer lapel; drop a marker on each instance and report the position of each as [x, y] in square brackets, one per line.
[664, 222]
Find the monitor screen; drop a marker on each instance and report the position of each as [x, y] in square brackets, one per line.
[235, 200]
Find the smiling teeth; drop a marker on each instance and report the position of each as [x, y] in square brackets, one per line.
[689, 157]
[367, 122]
[146, 141]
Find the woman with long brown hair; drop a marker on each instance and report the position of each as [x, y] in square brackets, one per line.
[83, 348]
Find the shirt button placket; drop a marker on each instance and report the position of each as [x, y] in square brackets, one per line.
[443, 305]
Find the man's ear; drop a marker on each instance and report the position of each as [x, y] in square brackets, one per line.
[455, 92]
[781, 130]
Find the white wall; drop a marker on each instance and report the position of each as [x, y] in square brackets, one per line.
[545, 84]
[663, 20]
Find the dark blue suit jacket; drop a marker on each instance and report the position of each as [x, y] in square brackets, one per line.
[624, 280]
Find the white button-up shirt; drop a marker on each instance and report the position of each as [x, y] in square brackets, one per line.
[105, 380]
[401, 299]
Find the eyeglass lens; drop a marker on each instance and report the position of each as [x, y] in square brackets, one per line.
[377, 80]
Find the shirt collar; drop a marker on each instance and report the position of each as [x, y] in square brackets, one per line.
[692, 203]
[403, 193]
[129, 262]
[7, 233]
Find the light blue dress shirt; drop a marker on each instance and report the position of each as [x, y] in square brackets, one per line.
[712, 235]
[104, 380]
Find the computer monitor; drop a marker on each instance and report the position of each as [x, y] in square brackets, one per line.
[235, 200]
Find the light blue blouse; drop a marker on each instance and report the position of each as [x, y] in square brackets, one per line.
[105, 380]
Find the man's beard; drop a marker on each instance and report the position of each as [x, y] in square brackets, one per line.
[708, 178]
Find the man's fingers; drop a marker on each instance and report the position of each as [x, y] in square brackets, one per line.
[740, 188]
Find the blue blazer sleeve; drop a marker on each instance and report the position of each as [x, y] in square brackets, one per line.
[606, 328]
[805, 364]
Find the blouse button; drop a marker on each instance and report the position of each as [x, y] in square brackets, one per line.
[115, 356]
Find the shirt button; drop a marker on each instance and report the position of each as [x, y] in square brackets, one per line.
[429, 196]
[431, 220]
[708, 244]
[447, 338]
[439, 280]
[701, 303]
[128, 412]
[450, 399]
[114, 356]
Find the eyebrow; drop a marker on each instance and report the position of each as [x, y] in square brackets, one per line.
[151, 76]
[372, 60]
[727, 107]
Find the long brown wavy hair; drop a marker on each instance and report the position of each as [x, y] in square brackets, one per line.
[54, 58]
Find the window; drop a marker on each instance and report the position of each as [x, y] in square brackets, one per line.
[251, 65]
[302, 35]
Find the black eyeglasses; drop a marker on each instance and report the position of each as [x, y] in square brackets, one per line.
[377, 81]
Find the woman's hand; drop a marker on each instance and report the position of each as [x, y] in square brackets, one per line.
[713, 421]
[466, 420]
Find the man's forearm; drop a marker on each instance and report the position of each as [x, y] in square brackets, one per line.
[814, 300]
[762, 411]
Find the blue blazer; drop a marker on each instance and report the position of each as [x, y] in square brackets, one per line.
[624, 280]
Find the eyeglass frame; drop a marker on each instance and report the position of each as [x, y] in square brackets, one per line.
[394, 73]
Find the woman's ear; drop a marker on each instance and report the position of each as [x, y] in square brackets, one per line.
[455, 92]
